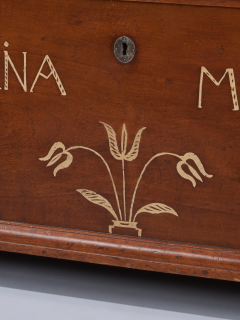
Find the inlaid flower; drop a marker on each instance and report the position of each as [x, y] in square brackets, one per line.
[64, 164]
[127, 220]
[199, 165]
[133, 153]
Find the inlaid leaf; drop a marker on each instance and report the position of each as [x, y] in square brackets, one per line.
[64, 164]
[97, 199]
[56, 146]
[133, 153]
[124, 140]
[156, 208]
[112, 142]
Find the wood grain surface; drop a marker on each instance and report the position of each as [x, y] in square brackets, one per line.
[210, 3]
[158, 90]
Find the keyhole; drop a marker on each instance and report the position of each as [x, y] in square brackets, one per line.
[124, 48]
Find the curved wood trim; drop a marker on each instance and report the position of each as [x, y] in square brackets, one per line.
[208, 3]
[169, 257]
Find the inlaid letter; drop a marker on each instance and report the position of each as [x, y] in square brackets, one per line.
[217, 83]
[53, 72]
[7, 60]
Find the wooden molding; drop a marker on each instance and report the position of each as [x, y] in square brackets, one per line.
[208, 3]
[121, 251]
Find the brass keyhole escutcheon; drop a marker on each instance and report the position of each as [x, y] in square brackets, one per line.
[124, 49]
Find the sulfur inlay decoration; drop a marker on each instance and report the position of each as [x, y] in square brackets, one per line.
[123, 219]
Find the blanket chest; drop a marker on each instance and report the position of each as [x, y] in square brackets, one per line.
[119, 133]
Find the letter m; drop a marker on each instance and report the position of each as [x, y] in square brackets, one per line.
[217, 83]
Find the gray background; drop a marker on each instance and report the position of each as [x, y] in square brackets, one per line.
[43, 288]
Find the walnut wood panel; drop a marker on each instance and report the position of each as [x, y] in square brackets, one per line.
[211, 3]
[158, 90]
[119, 251]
